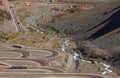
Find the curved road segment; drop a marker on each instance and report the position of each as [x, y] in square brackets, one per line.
[31, 63]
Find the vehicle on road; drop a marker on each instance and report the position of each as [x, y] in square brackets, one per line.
[17, 46]
[19, 67]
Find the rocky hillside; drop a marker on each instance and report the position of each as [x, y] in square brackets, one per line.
[90, 25]
[78, 24]
[5, 21]
[4, 15]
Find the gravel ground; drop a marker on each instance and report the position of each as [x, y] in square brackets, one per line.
[40, 12]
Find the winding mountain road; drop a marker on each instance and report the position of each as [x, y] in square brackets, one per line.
[31, 63]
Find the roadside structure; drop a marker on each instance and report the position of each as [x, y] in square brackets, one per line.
[27, 3]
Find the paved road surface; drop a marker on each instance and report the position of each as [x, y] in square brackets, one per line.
[31, 63]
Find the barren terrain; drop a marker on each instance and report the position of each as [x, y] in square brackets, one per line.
[48, 38]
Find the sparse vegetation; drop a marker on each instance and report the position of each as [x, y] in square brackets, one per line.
[55, 33]
[4, 15]
[23, 13]
[8, 36]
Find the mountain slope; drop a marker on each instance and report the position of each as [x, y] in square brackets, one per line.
[4, 15]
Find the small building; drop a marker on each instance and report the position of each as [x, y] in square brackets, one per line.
[27, 3]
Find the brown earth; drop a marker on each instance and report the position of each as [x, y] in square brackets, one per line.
[6, 23]
[77, 25]
[74, 24]
[4, 15]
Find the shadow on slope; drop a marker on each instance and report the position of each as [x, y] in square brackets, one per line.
[113, 23]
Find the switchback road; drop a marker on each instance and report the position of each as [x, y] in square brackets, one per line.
[31, 63]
